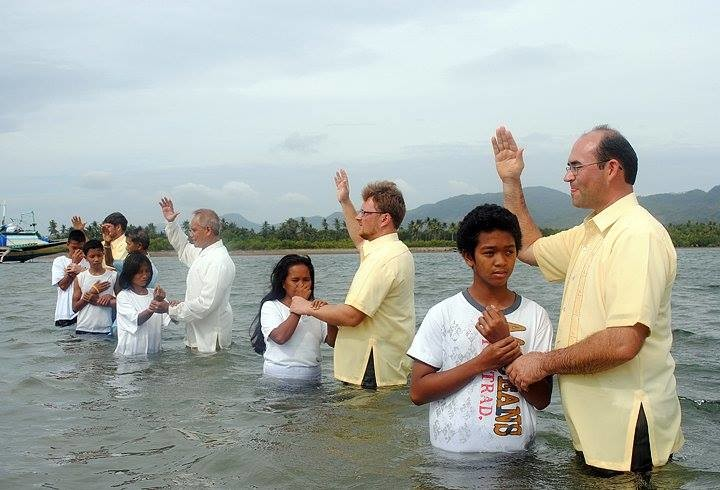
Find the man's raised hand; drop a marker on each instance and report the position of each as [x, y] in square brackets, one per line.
[77, 223]
[508, 158]
[166, 205]
[342, 185]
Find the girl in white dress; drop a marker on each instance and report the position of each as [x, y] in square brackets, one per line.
[139, 327]
[290, 343]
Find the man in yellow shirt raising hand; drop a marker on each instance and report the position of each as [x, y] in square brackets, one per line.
[612, 351]
[377, 321]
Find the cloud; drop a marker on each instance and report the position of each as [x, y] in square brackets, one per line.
[97, 180]
[460, 187]
[295, 198]
[304, 144]
[232, 196]
[525, 59]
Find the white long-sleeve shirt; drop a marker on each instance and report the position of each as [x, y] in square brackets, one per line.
[206, 311]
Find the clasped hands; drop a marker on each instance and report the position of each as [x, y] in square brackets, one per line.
[93, 296]
[158, 303]
[301, 303]
[504, 350]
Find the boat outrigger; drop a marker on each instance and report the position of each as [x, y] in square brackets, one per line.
[19, 245]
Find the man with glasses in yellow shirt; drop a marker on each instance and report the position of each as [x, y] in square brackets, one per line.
[612, 354]
[377, 321]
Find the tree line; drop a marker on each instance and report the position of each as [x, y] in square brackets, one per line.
[300, 234]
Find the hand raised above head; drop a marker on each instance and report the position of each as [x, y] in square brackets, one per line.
[342, 184]
[168, 210]
[508, 158]
[77, 223]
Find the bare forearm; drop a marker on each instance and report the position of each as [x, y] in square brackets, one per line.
[144, 316]
[350, 213]
[601, 351]
[341, 314]
[442, 384]
[284, 332]
[66, 281]
[514, 200]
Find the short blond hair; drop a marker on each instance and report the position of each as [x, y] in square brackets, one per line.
[387, 198]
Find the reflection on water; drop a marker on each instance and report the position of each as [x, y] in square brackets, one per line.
[75, 415]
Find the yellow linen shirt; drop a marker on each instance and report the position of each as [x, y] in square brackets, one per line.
[383, 289]
[618, 267]
[119, 248]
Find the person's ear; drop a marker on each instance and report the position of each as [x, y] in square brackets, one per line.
[469, 260]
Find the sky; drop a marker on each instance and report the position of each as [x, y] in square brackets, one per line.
[250, 107]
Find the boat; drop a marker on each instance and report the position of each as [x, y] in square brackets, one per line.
[20, 245]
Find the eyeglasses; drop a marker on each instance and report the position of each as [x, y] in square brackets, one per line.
[575, 168]
[362, 212]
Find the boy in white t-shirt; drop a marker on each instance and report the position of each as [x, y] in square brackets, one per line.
[63, 272]
[465, 341]
[93, 298]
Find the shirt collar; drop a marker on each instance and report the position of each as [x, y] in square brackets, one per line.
[217, 244]
[605, 218]
[370, 245]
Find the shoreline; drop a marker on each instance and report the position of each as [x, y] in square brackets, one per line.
[304, 251]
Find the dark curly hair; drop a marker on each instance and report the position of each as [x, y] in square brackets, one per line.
[486, 218]
[277, 291]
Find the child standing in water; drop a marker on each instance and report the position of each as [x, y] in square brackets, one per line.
[289, 342]
[139, 327]
[93, 299]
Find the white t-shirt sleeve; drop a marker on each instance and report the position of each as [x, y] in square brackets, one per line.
[127, 311]
[427, 344]
[542, 340]
[58, 271]
[271, 316]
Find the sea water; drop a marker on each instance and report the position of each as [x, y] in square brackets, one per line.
[74, 416]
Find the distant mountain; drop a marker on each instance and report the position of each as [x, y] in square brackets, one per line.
[241, 221]
[694, 205]
[550, 208]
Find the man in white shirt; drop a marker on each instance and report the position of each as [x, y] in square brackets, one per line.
[206, 309]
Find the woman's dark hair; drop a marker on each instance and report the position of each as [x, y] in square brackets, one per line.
[277, 291]
[131, 266]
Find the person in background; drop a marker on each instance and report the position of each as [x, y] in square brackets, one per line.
[64, 270]
[93, 298]
[114, 244]
[377, 321]
[138, 241]
[290, 343]
[206, 309]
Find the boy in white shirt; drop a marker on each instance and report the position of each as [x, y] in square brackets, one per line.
[93, 298]
[64, 270]
[465, 341]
